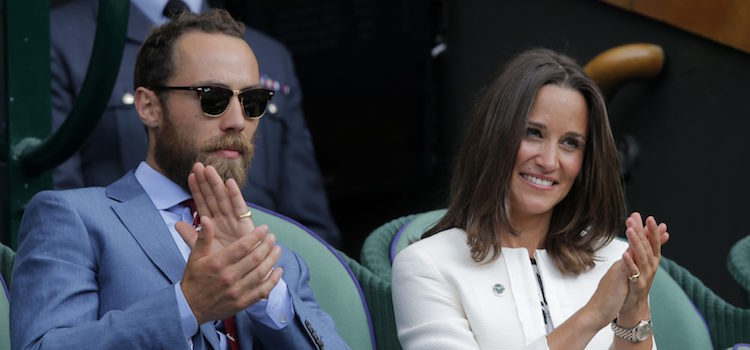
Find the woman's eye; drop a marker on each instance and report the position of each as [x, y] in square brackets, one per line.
[533, 132]
[572, 143]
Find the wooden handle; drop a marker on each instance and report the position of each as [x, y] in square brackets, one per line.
[619, 65]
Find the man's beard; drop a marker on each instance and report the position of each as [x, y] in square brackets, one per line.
[175, 154]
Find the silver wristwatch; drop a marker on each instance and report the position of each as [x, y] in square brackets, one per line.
[637, 334]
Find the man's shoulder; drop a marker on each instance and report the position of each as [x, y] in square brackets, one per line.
[264, 44]
[76, 195]
[274, 60]
[126, 185]
[76, 12]
[72, 28]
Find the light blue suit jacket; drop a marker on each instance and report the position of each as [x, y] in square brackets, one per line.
[96, 269]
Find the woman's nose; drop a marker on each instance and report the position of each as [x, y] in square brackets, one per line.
[548, 156]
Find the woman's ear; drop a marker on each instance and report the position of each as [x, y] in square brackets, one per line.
[149, 107]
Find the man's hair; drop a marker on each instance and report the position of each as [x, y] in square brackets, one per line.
[154, 64]
[591, 213]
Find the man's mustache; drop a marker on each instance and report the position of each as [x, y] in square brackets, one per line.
[233, 142]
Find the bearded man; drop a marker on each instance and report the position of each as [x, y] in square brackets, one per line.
[132, 265]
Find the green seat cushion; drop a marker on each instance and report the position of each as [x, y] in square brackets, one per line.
[336, 289]
[677, 322]
[738, 263]
[4, 316]
[413, 230]
[7, 256]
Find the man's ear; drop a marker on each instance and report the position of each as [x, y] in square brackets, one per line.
[149, 107]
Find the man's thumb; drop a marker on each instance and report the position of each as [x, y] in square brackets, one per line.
[204, 237]
[187, 232]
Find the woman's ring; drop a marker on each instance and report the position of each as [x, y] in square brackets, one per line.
[634, 277]
[248, 215]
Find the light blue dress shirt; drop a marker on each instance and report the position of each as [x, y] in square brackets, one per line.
[274, 312]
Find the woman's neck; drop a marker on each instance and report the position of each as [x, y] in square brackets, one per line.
[532, 232]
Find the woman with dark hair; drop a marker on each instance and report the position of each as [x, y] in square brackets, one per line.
[525, 256]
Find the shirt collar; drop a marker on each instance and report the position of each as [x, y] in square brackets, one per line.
[153, 8]
[162, 191]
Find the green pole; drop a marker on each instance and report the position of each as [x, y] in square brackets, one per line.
[28, 116]
[29, 149]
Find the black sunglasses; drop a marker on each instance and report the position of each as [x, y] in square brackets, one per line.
[215, 99]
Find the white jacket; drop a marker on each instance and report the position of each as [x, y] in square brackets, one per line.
[444, 300]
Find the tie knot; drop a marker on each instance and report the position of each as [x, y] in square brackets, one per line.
[190, 203]
[174, 8]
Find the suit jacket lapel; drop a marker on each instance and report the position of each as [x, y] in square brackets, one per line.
[209, 334]
[143, 221]
[245, 337]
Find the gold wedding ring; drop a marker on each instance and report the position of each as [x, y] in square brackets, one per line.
[634, 277]
[248, 215]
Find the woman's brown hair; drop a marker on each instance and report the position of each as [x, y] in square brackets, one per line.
[592, 212]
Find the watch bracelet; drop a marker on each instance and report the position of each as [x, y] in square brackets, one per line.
[629, 334]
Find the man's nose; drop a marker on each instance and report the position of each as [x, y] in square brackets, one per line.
[233, 118]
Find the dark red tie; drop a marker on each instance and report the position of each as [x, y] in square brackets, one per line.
[230, 327]
[231, 332]
[190, 203]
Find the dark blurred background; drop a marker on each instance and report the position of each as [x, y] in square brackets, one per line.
[387, 115]
[369, 84]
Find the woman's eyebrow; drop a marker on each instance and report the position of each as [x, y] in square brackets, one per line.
[537, 125]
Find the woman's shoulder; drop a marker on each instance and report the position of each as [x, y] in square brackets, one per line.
[448, 242]
[450, 237]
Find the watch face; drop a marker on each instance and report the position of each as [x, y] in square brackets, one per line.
[643, 331]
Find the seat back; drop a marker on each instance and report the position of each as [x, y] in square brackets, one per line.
[738, 263]
[336, 289]
[377, 291]
[413, 230]
[7, 256]
[728, 325]
[677, 322]
[4, 316]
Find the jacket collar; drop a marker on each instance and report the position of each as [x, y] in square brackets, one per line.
[141, 218]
